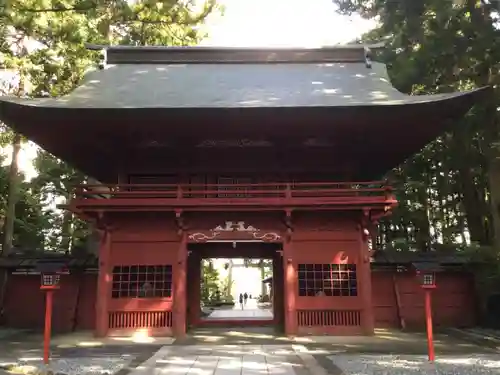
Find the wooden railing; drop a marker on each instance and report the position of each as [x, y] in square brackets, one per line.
[303, 193]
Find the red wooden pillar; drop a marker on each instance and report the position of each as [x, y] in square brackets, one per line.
[278, 292]
[103, 285]
[290, 289]
[365, 284]
[49, 299]
[180, 290]
[194, 287]
[275, 281]
[428, 323]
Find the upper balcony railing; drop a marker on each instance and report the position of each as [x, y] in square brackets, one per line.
[264, 195]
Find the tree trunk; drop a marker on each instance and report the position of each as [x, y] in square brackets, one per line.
[473, 201]
[473, 207]
[67, 227]
[422, 224]
[10, 215]
[8, 229]
[494, 180]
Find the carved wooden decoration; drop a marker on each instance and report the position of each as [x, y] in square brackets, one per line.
[234, 231]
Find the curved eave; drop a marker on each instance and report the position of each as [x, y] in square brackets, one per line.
[82, 136]
[234, 86]
[12, 106]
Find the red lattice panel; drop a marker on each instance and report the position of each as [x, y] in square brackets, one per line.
[139, 319]
[328, 318]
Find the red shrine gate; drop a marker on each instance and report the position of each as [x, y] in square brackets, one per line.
[321, 262]
[288, 128]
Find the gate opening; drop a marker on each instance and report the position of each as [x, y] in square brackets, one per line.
[219, 272]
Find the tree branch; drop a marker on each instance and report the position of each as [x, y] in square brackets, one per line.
[58, 9]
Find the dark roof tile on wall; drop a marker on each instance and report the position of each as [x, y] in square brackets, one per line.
[410, 257]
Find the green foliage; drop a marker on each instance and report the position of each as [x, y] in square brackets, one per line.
[29, 213]
[436, 46]
[42, 48]
[210, 288]
[60, 30]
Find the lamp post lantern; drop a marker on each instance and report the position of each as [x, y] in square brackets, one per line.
[50, 277]
[426, 274]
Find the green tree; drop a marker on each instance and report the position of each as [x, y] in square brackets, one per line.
[56, 181]
[449, 192]
[44, 43]
[210, 284]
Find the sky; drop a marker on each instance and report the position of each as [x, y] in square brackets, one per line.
[298, 23]
[263, 23]
[245, 279]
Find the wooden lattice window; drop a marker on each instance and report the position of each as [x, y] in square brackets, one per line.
[337, 280]
[142, 281]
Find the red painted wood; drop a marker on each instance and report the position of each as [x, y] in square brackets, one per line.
[384, 300]
[329, 239]
[49, 295]
[193, 288]
[290, 288]
[144, 240]
[278, 292]
[428, 324]
[103, 285]
[365, 284]
[213, 197]
[86, 316]
[180, 288]
[318, 237]
[453, 302]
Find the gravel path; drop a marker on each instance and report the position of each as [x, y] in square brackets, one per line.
[75, 361]
[82, 365]
[484, 364]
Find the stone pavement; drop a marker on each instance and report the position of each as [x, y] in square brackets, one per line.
[227, 360]
[259, 351]
[250, 311]
[255, 351]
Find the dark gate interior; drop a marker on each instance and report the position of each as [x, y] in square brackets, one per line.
[228, 250]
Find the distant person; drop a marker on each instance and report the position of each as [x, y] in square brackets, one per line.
[245, 297]
[249, 296]
[241, 300]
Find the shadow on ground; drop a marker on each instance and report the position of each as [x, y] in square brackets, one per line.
[28, 349]
[233, 336]
[384, 342]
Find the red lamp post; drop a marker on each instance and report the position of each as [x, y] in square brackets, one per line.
[427, 278]
[49, 282]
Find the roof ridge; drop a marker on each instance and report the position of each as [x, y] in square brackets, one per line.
[204, 54]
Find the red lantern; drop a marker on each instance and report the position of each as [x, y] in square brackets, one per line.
[50, 278]
[426, 274]
[427, 279]
[50, 281]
